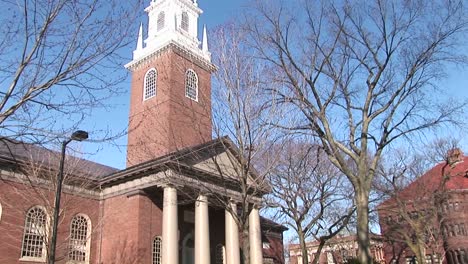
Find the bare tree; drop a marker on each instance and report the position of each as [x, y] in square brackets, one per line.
[59, 60]
[309, 194]
[413, 217]
[237, 114]
[361, 76]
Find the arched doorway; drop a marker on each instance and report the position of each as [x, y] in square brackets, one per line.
[188, 256]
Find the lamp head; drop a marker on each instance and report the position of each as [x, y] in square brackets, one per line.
[79, 135]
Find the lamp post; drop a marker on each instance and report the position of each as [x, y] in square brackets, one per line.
[78, 135]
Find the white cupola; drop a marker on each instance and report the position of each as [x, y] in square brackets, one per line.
[172, 22]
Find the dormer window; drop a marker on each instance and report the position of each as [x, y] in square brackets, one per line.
[185, 21]
[161, 20]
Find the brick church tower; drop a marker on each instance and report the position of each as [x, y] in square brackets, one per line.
[170, 104]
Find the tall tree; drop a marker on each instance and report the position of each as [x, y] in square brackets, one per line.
[59, 60]
[309, 194]
[361, 75]
[238, 114]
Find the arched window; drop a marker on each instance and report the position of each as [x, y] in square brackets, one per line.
[157, 250]
[161, 20]
[35, 228]
[220, 254]
[185, 21]
[80, 239]
[191, 85]
[150, 84]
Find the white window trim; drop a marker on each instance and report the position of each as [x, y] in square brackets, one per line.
[88, 239]
[44, 246]
[196, 85]
[155, 84]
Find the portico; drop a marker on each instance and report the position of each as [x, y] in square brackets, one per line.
[202, 245]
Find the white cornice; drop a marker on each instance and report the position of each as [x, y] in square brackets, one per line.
[202, 61]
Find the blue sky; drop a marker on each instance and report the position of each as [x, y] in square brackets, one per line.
[215, 13]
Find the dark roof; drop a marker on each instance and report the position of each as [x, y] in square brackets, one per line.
[432, 180]
[272, 225]
[20, 153]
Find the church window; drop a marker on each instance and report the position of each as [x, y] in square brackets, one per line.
[220, 254]
[150, 84]
[191, 85]
[35, 228]
[157, 250]
[80, 236]
[185, 21]
[161, 20]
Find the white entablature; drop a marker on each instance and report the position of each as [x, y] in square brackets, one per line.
[172, 22]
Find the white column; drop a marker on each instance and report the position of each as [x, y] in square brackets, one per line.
[232, 237]
[170, 247]
[202, 231]
[255, 237]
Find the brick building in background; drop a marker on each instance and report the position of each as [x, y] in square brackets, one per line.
[436, 204]
[337, 250]
[158, 206]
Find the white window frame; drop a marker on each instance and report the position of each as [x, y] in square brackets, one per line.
[147, 93]
[191, 84]
[77, 244]
[156, 250]
[161, 21]
[45, 231]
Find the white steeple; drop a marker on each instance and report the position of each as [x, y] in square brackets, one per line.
[172, 22]
[205, 41]
[140, 38]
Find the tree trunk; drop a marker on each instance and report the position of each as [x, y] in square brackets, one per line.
[362, 207]
[302, 242]
[245, 253]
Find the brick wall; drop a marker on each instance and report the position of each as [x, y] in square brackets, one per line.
[169, 121]
[16, 199]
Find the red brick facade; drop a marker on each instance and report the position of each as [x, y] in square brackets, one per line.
[123, 227]
[170, 120]
[16, 199]
[441, 195]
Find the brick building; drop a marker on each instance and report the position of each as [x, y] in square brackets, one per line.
[337, 250]
[433, 209]
[161, 208]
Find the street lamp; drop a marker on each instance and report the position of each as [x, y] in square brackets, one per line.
[78, 135]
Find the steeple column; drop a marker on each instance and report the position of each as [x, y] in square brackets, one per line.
[232, 236]
[202, 233]
[170, 248]
[255, 237]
